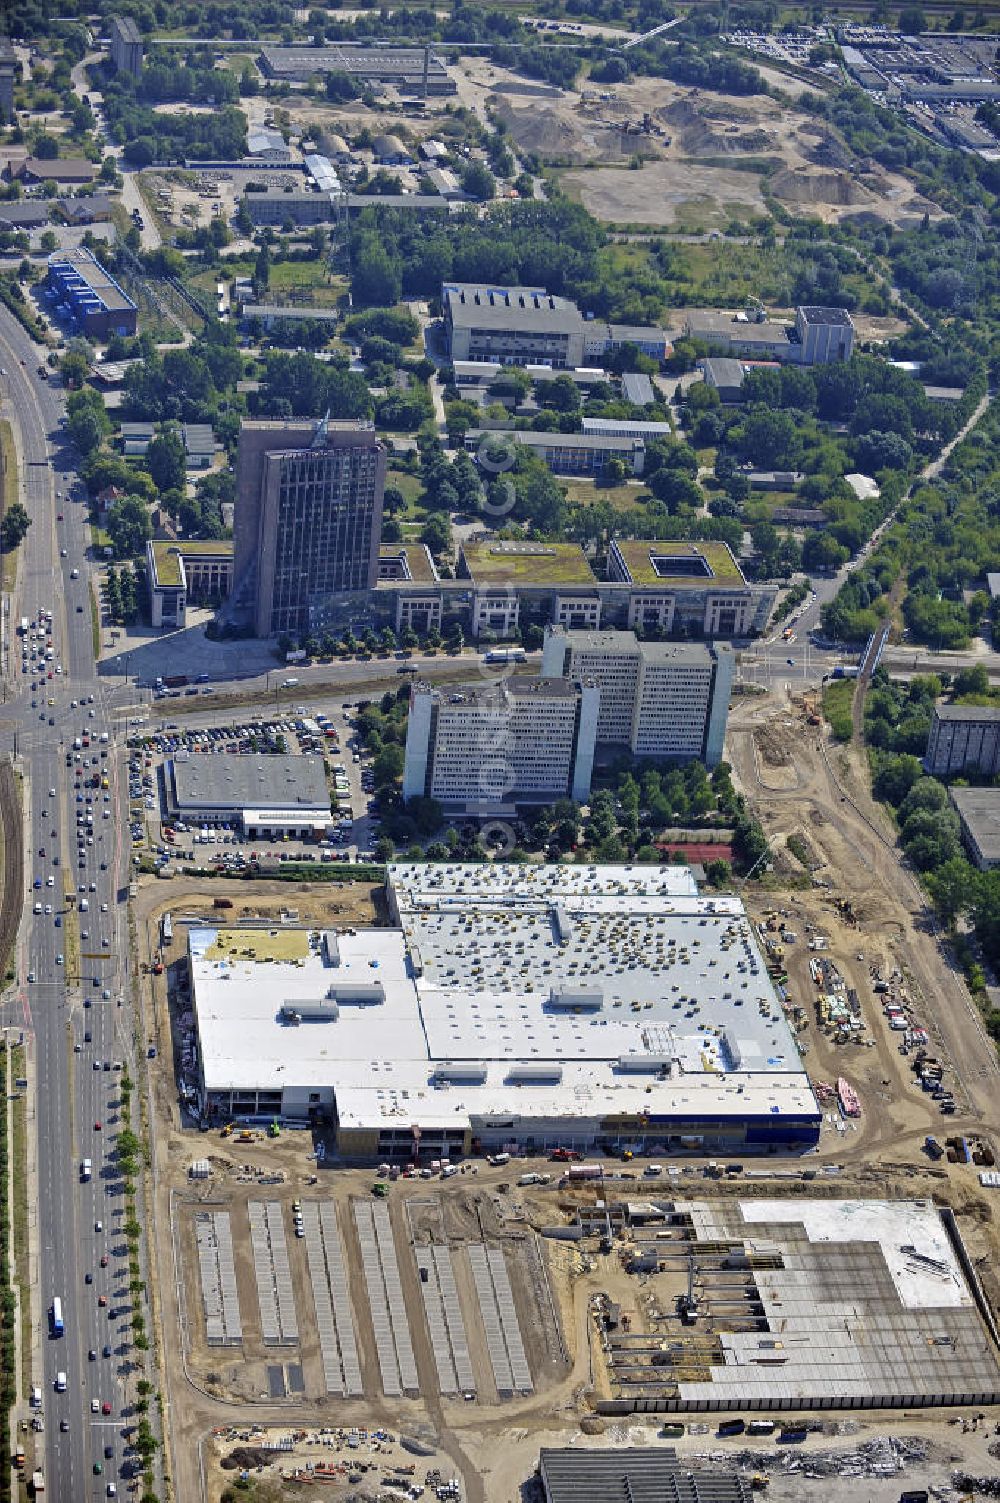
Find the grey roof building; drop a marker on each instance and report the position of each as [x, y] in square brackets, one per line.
[260, 792]
[126, 45]
[979, 811]
[23, 214]
[637, 389]
[633, 1475]
[10, 71]
[512, 325]
[963, 738]
[411, 70]
[726, 376]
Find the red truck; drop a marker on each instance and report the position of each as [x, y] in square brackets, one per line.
[564, 1156]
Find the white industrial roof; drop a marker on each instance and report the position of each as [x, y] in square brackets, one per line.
[569, 992]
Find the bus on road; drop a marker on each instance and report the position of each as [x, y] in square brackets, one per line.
[58, 1329]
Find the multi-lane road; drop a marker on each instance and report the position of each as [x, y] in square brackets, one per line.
[72, 966]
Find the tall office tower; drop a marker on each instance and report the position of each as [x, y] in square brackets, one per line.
[307, 523]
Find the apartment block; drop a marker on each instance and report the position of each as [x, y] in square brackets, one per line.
[307, 522]
[486, 747]
[660, 699]
[963, 738]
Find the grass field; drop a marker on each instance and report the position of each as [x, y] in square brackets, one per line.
[8, 462]
[414, 516]
[838, 697]
[587, 493]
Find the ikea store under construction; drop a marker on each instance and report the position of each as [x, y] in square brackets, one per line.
[516, 1008]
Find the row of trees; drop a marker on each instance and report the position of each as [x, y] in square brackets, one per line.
[897, 720]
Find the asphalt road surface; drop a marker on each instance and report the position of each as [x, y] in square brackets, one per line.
[56, 1006]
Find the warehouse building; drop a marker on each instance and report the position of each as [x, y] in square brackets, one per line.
[726, 376]
[569, 453]
[979, 812]
[409, 70]
[633, 1474]
[529, 326]
[267, 146]
[512, 1007]
[660, 699]
[88, 296]
[963, 738]
[819, 335]
[262, 796]
[484, 748]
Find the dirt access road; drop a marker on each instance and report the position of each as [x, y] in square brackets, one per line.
[799, 780]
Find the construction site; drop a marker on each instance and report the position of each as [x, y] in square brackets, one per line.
[702, 156]
[339, 1326]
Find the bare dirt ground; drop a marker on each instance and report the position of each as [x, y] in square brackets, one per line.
[797, 779]
[693, 144]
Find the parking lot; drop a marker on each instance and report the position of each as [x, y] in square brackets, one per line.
[331, 736]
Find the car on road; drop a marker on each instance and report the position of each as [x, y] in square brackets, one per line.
[104, 1260]
[105, 1407]
[98, 1226]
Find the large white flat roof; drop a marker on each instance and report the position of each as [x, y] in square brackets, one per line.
[555, 991]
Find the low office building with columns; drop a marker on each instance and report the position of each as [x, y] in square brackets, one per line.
[181, 574]
[676, 589]
[484, 748]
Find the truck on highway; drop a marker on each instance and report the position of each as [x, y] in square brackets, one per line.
[504, 655]
[172, 681]
[38, 1483]
[849, 671]
[86, 1169]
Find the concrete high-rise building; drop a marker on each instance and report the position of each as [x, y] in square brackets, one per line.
[126, 45]
[484, 747]
[307, 522]
[660, 699]
[10, 72]
[963, 738]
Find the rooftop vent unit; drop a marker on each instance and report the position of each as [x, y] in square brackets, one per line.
[576, 999]
[534, 1074]
[459, 1072]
